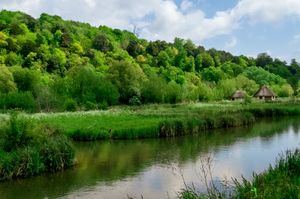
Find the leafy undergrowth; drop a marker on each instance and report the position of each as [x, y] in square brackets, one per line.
[27, 149]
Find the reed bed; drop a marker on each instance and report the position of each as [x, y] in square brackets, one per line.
[155, 121]
[27, 149]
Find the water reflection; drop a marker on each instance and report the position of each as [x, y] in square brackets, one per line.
[153, 168]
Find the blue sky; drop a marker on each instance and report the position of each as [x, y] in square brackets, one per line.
[240, 26]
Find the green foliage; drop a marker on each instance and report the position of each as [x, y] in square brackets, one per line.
[70, 105]
[7, 83]
[102, 43]
[283, 91]
[247, 85]
[17, 100]
[56, 60]
[134, 48]
[27, 149]
[280, 181]
[154, 90]
[89, 86]
[135, 101]
[207, 61]
[213, 74]
[128, 78]
[263, 77]
[18, 133]
[148, 121]
[25, 79]
[157, 90]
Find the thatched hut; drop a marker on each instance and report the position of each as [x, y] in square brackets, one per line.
[265, 93]
[238, 95]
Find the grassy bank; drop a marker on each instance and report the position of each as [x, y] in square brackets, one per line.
[32, 144]
[279, 181]
[27, 149]
[156, 121]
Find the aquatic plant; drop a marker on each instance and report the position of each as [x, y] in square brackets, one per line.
[27, 149]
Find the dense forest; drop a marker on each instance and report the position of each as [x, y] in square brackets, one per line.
[51, 64]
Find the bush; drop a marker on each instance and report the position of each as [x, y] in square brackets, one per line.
[248, 99]
[134, 101]
[18, 133]
[27, 149]
[90, 106]
[18, 100]
[103, 105]
[70, 105]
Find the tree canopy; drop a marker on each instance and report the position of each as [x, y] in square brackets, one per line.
[61, 64]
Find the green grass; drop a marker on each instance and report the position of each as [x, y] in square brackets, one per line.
[279, 181]
[34, 143]
[153, 121]
[27, 149]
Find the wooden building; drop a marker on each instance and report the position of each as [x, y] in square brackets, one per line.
[265, 93]
[238, 95]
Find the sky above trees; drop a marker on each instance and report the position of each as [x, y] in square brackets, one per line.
[241, 27]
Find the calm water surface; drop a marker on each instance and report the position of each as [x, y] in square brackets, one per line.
[154, 168]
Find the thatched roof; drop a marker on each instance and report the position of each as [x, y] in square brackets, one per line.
[264, 91]
[239, 94]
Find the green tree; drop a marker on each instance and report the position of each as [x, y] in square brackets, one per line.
[13, 59]
[128, 78]
[57, 61]
[153, 90]
[134, 48]
[213, 74]
[3, 42]
[263, 59]
[207, 61]
[189, 64]
[163, 59]
[6, 80]
[246, 84]
[87, 86]
[198, 63]
[25, 78]
[102, 43]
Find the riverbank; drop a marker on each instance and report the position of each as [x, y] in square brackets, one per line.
[279, 181]
[118, 168]
[155, 121]
[27, 149]
[37, 143]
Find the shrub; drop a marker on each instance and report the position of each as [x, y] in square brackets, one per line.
[90, 106]
[70, 105]
[18, 133]
[103, 105]
[27, 149]
[135, 101]
[248, 99]
[18, 100]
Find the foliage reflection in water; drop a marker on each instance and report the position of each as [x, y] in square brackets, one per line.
[153, 168]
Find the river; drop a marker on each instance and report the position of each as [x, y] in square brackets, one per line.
[159, 168]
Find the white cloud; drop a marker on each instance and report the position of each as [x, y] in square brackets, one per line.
[231, 44]
[296, 37]
[186, 5]
[161, 19]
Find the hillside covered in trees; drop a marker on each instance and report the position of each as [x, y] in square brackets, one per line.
[53, 65]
